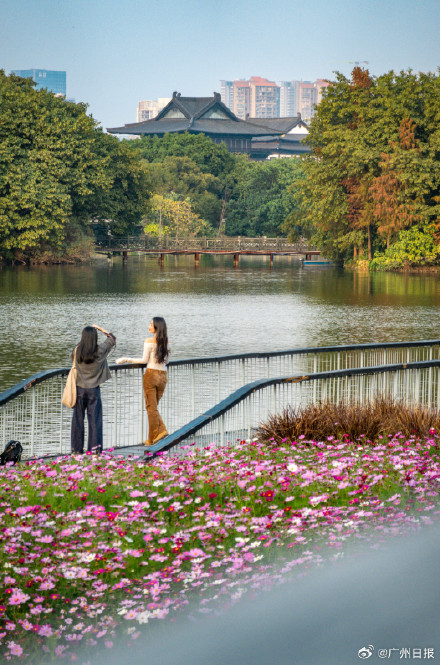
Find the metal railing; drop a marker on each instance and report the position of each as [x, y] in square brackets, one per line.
[237, 417]
[32, 413]
[225, 243]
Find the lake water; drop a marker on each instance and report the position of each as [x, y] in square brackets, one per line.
[214, 309]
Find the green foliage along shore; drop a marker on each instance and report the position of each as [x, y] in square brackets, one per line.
[59, 171]
[231, 193]
[369, 192]
[372, 182]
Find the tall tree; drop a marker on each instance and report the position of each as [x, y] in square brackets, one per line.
[374, 168]
[171, 216]
[183, 177]
[261, 196]
[58, 170]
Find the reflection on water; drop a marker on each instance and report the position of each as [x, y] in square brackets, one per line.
[212, 309]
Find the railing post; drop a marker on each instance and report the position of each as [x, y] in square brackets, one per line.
[193, 391]
[315, 369]
[396, 386]
[3, 415]
[142, 406]
[115, 411]
[33, 402]
[430, 382]
[61, 418]
[417, 386]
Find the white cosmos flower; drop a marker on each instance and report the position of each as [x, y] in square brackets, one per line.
[143, 617]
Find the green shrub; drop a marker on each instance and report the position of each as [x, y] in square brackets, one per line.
[413, 247]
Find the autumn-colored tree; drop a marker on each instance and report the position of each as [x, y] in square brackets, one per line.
[394, 207]
[359, 214]
[374, 169]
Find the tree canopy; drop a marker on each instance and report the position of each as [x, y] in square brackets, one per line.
[374, 170]
[230, 192]
[58, 170]
[60, 173]
[210, 157]
[261, 196]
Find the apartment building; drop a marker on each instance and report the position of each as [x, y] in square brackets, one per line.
[256, 96]
[149, 108]
[301, 97]
[227, 93]
[241, 99]
[265, 98]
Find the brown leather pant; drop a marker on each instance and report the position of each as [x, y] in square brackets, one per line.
[154, 382]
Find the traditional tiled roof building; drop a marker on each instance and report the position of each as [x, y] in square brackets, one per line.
[201, 115]
[288, 144]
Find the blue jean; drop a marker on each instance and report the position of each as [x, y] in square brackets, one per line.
[87, 399]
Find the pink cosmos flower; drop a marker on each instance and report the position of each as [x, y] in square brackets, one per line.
[26, 625]
[18, 597]
[195, 553]
[60, 650]
[45, 631]
[15, 649]
[131, 614]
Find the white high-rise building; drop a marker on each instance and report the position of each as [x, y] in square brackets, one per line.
[149, 108]
[227, 93]
[289, 99]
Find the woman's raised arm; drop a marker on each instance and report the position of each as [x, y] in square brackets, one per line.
[135, 361]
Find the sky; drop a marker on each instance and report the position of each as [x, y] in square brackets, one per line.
[117, 52]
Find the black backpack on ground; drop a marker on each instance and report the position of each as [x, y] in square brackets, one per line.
[12, 453]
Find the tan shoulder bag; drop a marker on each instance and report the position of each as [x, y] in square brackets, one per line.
[69, 392]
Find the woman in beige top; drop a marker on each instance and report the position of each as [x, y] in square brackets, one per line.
[155, 378]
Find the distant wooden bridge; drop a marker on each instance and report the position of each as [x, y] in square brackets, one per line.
[234, 246]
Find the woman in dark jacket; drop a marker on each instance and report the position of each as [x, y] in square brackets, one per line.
[92, 370]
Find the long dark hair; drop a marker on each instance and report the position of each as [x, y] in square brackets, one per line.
[87, 350]
[160, 329]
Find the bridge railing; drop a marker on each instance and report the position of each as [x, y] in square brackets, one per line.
[237, 417]
[225, 243]
[32, 411]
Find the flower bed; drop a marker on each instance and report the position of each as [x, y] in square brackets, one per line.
[93, 548]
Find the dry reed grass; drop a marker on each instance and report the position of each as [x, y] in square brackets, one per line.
[369, 420]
